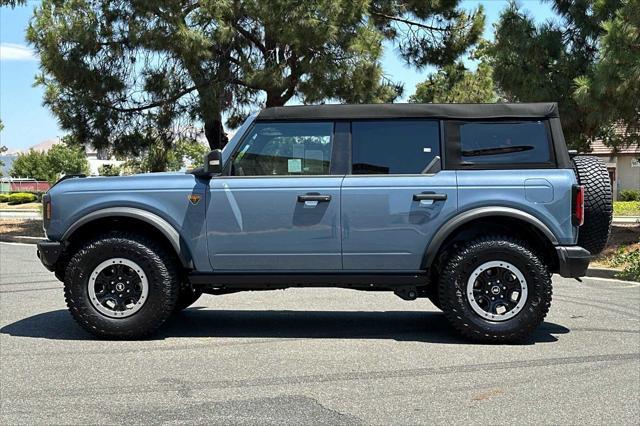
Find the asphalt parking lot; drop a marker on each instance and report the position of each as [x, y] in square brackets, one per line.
[315, 356]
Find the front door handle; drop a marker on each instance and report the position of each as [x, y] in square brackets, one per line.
[314, 197]
[429, 196]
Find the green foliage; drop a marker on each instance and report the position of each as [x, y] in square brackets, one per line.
[13, 3]
[59, 160]
[629, 195]
[63, 159]
[629, 260]
[158, 157]
[626, 208]
[131, 76]
[542, 62]
[456, 84]
[31, 164]
[191, 153]
[611, 90]
[22, 198]
[109, 170]
[4, 198]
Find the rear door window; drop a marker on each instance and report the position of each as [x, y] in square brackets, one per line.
[393, 146]
[500, 143]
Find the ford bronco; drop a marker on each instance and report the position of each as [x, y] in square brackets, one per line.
[472, 206]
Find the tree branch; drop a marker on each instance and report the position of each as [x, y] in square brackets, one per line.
[251, 37]
[156, 103]
[408, 22]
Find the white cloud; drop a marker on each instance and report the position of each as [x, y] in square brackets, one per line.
[16, 52]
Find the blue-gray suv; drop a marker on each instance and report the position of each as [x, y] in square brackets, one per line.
[472, 206]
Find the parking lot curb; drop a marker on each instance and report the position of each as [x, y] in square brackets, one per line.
[602, 272]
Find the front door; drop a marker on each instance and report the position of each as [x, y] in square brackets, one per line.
[396, 197]
[278, 209]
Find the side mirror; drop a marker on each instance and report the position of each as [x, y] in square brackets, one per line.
[213, 162]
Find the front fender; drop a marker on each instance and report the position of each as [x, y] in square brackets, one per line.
[164, 227]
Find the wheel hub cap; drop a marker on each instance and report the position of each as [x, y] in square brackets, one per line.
[497, 290]
[118, 288]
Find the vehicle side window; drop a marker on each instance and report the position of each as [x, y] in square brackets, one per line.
[501, 143]
[284, 149]
[394, 146]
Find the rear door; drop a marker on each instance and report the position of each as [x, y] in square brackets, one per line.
[396, 196]
[278, 209]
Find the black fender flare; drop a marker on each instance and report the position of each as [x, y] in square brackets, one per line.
[460, 219]
[164, 227]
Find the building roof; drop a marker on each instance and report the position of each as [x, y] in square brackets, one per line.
[450, 111]
[598, 147]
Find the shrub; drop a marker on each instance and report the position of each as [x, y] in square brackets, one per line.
[626, 208]
[109, 170]
[629, 195]
[629, 260]
[21, 198]
[4, 198]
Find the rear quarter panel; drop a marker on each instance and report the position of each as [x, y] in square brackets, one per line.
[545, 194]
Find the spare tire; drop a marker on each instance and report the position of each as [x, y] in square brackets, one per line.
[598, 210]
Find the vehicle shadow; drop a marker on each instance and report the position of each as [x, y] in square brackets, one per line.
[428, 327]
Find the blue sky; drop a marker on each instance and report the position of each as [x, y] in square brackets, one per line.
[28, 123]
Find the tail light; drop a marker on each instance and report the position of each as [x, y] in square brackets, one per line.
[577, 216]
[46, 209]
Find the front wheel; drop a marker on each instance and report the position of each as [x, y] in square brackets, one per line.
[121, 286]
[495, 289]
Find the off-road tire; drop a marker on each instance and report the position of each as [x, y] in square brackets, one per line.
[453, 295]
[161, 271]
[186, 297]
[598, 210]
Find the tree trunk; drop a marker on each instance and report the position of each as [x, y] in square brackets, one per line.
[214, 131]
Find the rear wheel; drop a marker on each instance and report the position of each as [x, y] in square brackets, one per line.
[495, 289]
[121, 285]
[598, 209]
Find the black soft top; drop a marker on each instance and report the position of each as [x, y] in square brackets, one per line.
[446, 111]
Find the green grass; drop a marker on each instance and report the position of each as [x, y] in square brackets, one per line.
[626, 208]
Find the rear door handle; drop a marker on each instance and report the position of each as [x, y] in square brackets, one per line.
[314, 197]
[429, 196]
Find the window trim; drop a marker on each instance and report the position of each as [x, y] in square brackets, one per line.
[453, 157]
[440, 146]
[226, 170]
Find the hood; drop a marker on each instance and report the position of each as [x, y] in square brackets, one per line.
[144, 181]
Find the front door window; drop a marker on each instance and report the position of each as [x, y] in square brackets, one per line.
[284, 149]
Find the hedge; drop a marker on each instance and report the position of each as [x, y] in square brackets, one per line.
[629, 195]
[21, 198]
